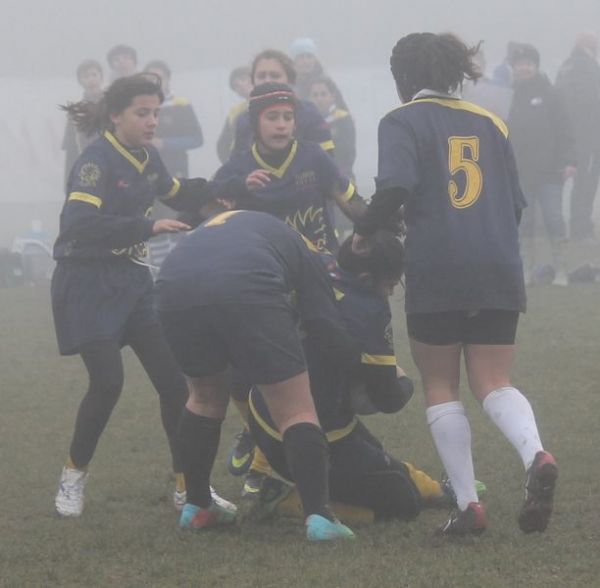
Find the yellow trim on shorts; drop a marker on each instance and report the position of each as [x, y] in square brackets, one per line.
[378, 359]
[85, 197]
[332, 436]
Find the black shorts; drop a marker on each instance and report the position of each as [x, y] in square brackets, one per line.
[263, 342]
[482, 327]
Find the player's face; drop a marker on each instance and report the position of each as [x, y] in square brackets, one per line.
[91, 80]
[276, 127]
[123, 65]
[269, 70]
[322, 97]
[524, 69]
[135, 126]
[305, 63]
[243, 86]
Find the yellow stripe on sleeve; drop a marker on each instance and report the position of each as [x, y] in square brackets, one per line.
[174, 189]
[378, 359]
[85, 197]
[349, 192]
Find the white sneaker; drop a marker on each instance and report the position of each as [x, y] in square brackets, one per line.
[69, 498]
[221, 502]
[179, 499]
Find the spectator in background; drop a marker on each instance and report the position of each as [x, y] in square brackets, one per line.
[545, 154]
[487, 93]
[178, 128]
[275, 66]
[308, 67]
[327, 98]
[90, 77]
[122, 61]
[503, 73]
[241, 83]
[579, 83]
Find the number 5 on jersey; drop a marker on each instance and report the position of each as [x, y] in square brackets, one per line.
[463, 155]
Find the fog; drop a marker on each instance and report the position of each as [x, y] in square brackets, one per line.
[202, 40]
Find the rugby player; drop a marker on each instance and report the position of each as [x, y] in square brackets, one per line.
[451, 165]
[101, 287]
[229, 295]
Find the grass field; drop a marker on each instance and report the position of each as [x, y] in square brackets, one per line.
[128, 536]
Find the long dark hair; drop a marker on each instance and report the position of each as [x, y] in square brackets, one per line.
[436, 62]
[94, 117]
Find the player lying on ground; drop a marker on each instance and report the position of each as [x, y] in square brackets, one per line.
[229, 295]
[365, 481]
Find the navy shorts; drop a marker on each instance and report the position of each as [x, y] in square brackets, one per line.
[482, 327]
[262, 342]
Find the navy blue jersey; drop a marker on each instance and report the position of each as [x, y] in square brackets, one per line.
[110, 192]
[301, 189]
[366, 316]
[310, 126]
[456, 163]
[245, 257]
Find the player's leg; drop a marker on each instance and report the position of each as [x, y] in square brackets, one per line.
[103, 362]
[489, 361]
[293, 411]
[436, 352]
[202, 356]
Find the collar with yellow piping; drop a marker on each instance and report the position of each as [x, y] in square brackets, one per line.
[140, 166]
[278, 172]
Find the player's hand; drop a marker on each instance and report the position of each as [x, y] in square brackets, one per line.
[569, 172]
[258, 179]
[169, 225]
[361, 245]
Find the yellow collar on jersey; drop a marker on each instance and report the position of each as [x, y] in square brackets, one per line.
[140, 166]
[278, 172]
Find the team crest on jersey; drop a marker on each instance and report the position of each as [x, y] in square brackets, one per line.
[305, 179]
[311, 224]
[89, 174]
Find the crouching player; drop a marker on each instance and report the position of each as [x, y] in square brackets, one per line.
[362, 474]
[229, 295]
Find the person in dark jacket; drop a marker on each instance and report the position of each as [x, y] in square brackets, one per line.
[326, 96]
[578, 81]
[544, 149]
[178, 128]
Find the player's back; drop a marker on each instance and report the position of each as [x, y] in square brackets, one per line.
[456, 163]
[235, 257]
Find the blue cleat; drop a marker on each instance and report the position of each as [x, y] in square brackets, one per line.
[319, 528]
[195, 517]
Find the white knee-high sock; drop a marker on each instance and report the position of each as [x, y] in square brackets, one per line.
[513, 415]
[452, 437]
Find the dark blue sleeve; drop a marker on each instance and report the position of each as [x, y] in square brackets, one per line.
[331, 178]
[84, 220]
[398, 165]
